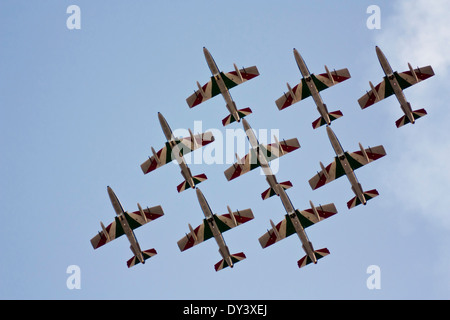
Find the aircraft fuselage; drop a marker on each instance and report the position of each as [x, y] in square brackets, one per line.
[134, 244]
[176, 152]
[356, 186]
[406, 107]
[209, 217]
[321, 107]
[231, 106]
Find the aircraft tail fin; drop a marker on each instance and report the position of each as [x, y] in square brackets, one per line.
[307, 260]
[321, 121]
[404, 119]
[146, 254]
[197, 179]
[235, 258]
[270, 192]
[367, 195]
[230, 118]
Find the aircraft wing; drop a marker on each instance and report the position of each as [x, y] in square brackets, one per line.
[235, 78]
[135, 219]
[357, 159]
[297, 93]
[301, 90]
[228, 221]
[162, 157]
[307, 217]
[224, 222]
[189, 144]
[278, 149]
[333, 171]
[270, 151]
[211, 89]
[185, 146]
[286, 228]
[384, 89]
[378, 93]
[409, 79]
[247, 163]
[113, 231]
[323, 80]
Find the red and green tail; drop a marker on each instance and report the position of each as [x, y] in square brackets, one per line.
[230, 118]
[235, 258]
[321, 121]
[197, 179]
[146, 253]
[404, 120]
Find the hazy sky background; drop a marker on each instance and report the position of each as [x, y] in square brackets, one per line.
[79, 112]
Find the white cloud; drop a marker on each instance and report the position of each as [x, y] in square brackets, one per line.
[419, 32]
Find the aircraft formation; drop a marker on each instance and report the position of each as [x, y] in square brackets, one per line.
[259, 156]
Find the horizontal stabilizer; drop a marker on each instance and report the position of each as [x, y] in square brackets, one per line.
[404, 120]
[146, 254]
[230, 118]
[197, 179]
[367, 195]
[235, 258]
[321, 121]
[307, 260]
[270, 192]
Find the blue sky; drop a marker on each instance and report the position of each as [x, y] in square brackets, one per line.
[79, 112]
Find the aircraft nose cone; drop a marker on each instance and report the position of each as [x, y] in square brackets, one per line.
[199, 193]
[378, 50]
[245, 124]
[161, 118]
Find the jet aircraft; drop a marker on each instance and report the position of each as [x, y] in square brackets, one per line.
[175, 149]
[295, 220]
[344, 164]
[125, 223]
[220, 83]
[395, 83]
[311, 85]
[259, 155]
[213, 226]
